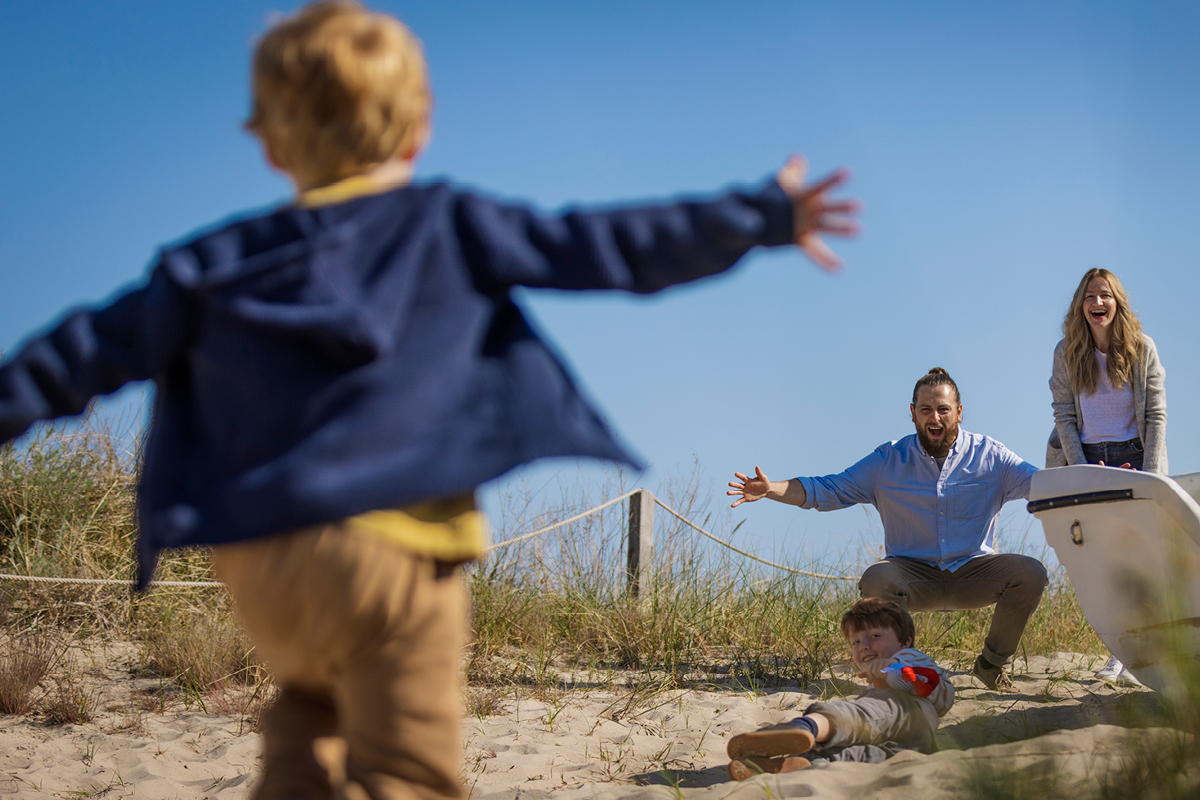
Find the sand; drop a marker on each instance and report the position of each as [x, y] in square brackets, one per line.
[644, 741]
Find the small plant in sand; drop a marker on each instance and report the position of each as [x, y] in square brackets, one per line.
[246, 702]
[484, 701]
[25, 660]
[71, 701]
[201, 649]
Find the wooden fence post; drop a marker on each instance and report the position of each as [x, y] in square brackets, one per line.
[641, 543]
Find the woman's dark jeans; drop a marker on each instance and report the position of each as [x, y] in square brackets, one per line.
[1114, 454]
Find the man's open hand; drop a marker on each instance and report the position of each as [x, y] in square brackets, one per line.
[746, 489]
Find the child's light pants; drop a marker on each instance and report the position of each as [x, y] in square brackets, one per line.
[364, 640]
[873, 726]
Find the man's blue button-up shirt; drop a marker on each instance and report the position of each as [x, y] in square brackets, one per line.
[944, 516]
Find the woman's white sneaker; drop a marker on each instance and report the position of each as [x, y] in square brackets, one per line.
[1114, 672]
[1111, 670]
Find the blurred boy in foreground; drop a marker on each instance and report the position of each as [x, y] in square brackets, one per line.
[900, 710]
[335, 377]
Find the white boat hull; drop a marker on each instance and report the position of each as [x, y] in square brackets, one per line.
[1130, 543]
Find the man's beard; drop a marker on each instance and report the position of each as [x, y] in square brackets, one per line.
[941, 447]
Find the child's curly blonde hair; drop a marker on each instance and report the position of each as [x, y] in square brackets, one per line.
[337, 90]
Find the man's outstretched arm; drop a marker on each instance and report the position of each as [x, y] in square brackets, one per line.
[747, 489]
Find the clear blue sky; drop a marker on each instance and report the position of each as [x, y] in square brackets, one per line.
[1001, 150]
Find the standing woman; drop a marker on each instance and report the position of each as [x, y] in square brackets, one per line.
[1107, 385]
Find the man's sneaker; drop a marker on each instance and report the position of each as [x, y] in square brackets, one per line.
[784, 739]
[749, 766]
[1114, 672]
[994, 678]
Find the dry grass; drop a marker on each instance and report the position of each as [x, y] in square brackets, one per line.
[558, 604]
[67, 510]
[553, 604]
[71, 701]
[25, 660]
[200, 648]
[247, 703]
[548, 614]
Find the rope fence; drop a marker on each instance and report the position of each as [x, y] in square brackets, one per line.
[557, 525]
[109, 581]
[743, 553]
[640, 548]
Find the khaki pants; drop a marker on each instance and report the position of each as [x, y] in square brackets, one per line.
[1012, 582]
[364, 640]
[873, 726]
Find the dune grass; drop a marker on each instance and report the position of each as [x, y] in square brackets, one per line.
[67, 510]
[549, 614]
[25, 661]
[559, 602]
[544, 610]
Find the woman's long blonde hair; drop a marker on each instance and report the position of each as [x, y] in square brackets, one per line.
[1124, 341]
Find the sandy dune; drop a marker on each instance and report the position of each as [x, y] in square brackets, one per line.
[648, 741]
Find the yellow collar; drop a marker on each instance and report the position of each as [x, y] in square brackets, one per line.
[343, 190]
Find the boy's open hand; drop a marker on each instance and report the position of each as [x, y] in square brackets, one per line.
[873, 672]
[816, 213]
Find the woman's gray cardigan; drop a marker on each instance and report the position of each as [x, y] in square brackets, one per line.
[1149, 403]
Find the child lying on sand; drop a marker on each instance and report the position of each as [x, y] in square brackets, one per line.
[909, 693]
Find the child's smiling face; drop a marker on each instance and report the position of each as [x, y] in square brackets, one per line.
[873, 643]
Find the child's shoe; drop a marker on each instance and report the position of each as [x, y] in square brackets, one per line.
[784, 739]
[748, 767]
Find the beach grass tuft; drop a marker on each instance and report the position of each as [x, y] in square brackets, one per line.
[25, 660]
[72, 701]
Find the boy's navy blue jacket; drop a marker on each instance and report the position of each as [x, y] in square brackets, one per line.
[314, 364]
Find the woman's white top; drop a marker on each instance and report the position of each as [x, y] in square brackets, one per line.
[1108, 414]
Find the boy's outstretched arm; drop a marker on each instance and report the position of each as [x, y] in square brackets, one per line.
[91, 352]
[816, 213]
[647, 247]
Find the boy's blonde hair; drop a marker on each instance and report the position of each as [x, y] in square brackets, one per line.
[337, 90]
